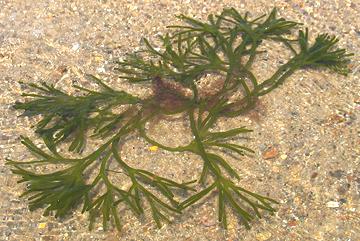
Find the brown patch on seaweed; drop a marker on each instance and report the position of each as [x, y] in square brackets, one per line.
[169, 96]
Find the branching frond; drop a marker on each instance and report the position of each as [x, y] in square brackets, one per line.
[59, 191]
[66, 116]
[324, 53]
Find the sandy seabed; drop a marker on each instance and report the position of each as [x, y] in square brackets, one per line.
[311, 123]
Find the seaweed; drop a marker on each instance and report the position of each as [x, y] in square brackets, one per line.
[225, 45]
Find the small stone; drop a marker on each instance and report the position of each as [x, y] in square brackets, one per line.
[297, 201]
[42, 225]
[98, 58]
[153, 148]
[100, 70]
[332, 204]
[314, 175]
[276, 169]
[336, 119]
[292, 223]
[263, 236]
[283, 156]
[343, 200]
[75, 47]
[270, 153]
[337, 174]
[350, 178]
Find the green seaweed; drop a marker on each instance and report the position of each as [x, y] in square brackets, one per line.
[225, 45]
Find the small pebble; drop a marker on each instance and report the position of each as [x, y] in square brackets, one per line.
[98, 58]
[343, 200]
[292, 223]
[283, 156]
[75, 47]
[332, 204]
[314, 175]
[263, 236]
[153, 148]
[42, 225]
[270, 153]
[337, 174]
[100, 70]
